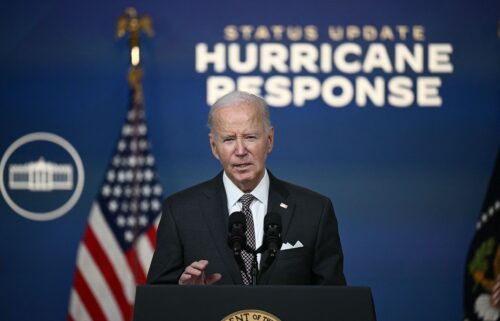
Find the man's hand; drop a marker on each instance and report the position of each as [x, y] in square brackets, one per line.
[194, 274]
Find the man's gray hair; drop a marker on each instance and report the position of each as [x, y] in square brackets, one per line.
[238, 98]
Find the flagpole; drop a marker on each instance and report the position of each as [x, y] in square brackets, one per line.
[133, 25]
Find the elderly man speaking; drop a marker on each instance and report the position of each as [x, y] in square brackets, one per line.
[192, 244]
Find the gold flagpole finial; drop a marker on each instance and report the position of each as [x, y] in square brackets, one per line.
[134, 24]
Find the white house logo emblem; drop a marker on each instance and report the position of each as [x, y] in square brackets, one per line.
[40, 175]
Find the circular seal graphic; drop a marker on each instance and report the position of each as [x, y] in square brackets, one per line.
[51, 138]
[251, 315]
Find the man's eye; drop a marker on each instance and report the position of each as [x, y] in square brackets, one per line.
[227, 139]
[251, 137]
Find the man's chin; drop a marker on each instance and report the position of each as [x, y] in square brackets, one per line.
[243, 179]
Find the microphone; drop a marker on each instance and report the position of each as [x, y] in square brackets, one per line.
[236, 238]
[272, 234]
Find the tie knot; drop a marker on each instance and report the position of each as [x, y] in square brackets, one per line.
[246, 199]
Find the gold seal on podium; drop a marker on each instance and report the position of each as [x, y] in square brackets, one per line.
[251, 315]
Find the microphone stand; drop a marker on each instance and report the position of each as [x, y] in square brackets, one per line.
[254, 271]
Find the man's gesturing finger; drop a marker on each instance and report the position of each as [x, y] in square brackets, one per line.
[194, 273]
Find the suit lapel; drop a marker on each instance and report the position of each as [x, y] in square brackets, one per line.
[280, 203]
[214, 209]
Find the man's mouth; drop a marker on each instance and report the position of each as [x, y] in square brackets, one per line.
[242, 165]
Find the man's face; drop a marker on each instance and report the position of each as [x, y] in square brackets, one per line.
[239, 140]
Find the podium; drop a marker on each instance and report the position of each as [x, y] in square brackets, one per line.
[258, 303]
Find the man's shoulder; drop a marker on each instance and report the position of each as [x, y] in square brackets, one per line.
[298, 192]
[191, 193]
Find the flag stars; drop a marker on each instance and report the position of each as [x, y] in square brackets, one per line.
[129, 236]
[143, 220]
[129, 175]
[144, 206]
[126, 130]
[121, 176]
[146, 190]
[131, 115]
[106, 191]
[122, 145]
[110, 175]
[131, 192]
[488, 214]
[139, 176]
[150, 160]
[155, 205]
[157, 190]
[120, 221]
[148, 175]
[142, 129]
[117, 191]
[131, 221]
[112, 206]
[116, 160]
[143, 144]
[493, 208]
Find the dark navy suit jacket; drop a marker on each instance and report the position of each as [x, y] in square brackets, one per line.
[194, 226]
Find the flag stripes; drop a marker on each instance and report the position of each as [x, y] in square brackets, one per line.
[113, 252]
[104, 272]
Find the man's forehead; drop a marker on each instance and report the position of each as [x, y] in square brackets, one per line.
[241, 112]
[241, 126]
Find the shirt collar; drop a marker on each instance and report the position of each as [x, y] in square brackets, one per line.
[233, 193]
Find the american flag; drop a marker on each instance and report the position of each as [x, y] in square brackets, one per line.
[118, 243]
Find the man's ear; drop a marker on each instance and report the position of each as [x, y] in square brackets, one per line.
[211, 139]
[270, 140]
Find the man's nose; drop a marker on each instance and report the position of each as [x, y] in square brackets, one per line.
[241, 148]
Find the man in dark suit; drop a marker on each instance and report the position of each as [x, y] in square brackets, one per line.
[192, 245]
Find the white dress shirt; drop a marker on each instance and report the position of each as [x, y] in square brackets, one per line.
[258, 206]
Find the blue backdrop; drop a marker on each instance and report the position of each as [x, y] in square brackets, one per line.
[407, 183]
